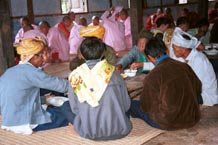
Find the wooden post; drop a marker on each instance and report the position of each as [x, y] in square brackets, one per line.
[203, 8]
[136, 18]
[6, 46]
[30, 11]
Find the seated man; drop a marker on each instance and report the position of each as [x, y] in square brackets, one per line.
[151, 20]
[20, 105]
[23, 21]
[183, 46]
[98, 96]
[65, 26]
[96, 21]
[170, 93]
[135, 57]
[163, 23]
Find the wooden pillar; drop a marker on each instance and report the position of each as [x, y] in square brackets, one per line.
[203, 8]
[136, 18]
[30, 11]
[6, 46]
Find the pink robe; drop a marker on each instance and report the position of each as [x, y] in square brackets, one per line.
[75, 39]
[33, 34]
[114, 32]
[58, 43]
[128, 34]
[20, 33]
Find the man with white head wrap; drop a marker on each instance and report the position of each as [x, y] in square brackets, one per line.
[20, 104]
[184, 47]
[195, 43]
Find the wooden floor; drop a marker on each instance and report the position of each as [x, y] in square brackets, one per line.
[204, 133]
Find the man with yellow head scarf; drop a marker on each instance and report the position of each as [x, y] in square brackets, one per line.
[20, 104]
[29, 47]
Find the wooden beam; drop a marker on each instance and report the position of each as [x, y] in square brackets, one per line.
[6, 47]
[203, 8]
[136, 18]
[30, 11]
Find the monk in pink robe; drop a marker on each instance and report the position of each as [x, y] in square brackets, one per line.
[114, 30]
[125, 18]
[23, 21]
[56, 41]
[75, 39]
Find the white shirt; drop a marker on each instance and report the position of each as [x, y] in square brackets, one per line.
[205, 72]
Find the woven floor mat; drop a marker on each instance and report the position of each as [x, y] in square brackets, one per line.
[140, 134]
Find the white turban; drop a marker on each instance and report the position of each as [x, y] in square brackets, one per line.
[180, 41]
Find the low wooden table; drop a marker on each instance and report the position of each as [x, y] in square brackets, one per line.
[135, 84]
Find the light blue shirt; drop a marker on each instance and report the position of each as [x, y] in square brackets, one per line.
[20, 94]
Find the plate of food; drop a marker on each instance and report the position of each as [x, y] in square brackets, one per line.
[57, 100]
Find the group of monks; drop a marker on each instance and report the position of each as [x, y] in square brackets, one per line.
[65, 37]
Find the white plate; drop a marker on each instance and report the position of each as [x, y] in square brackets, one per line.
[211, 52]
[130, 73]
[57, 101]
[211, 45]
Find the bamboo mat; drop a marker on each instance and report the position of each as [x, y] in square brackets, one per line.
[140, 134]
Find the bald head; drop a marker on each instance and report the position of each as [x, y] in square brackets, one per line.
[44, 27]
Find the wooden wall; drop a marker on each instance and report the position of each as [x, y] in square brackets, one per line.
[6, 47]
[50, 10]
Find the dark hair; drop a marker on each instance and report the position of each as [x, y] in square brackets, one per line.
[82, 21]
[155, 48]
[27, 27]
[186, 37]
[163, 20]
[167, 10]
[123, 12]
[69, 13]
[92, 48]
[65, 18]
[182, 20]
[203, 22]
[25, 18]
[44, 24]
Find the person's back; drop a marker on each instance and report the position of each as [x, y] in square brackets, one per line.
[169, 99]
[173, 88]
[101, 113]
[20, 103]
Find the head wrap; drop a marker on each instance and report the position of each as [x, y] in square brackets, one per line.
[30, 46]
[96, 31]
[180, 41]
